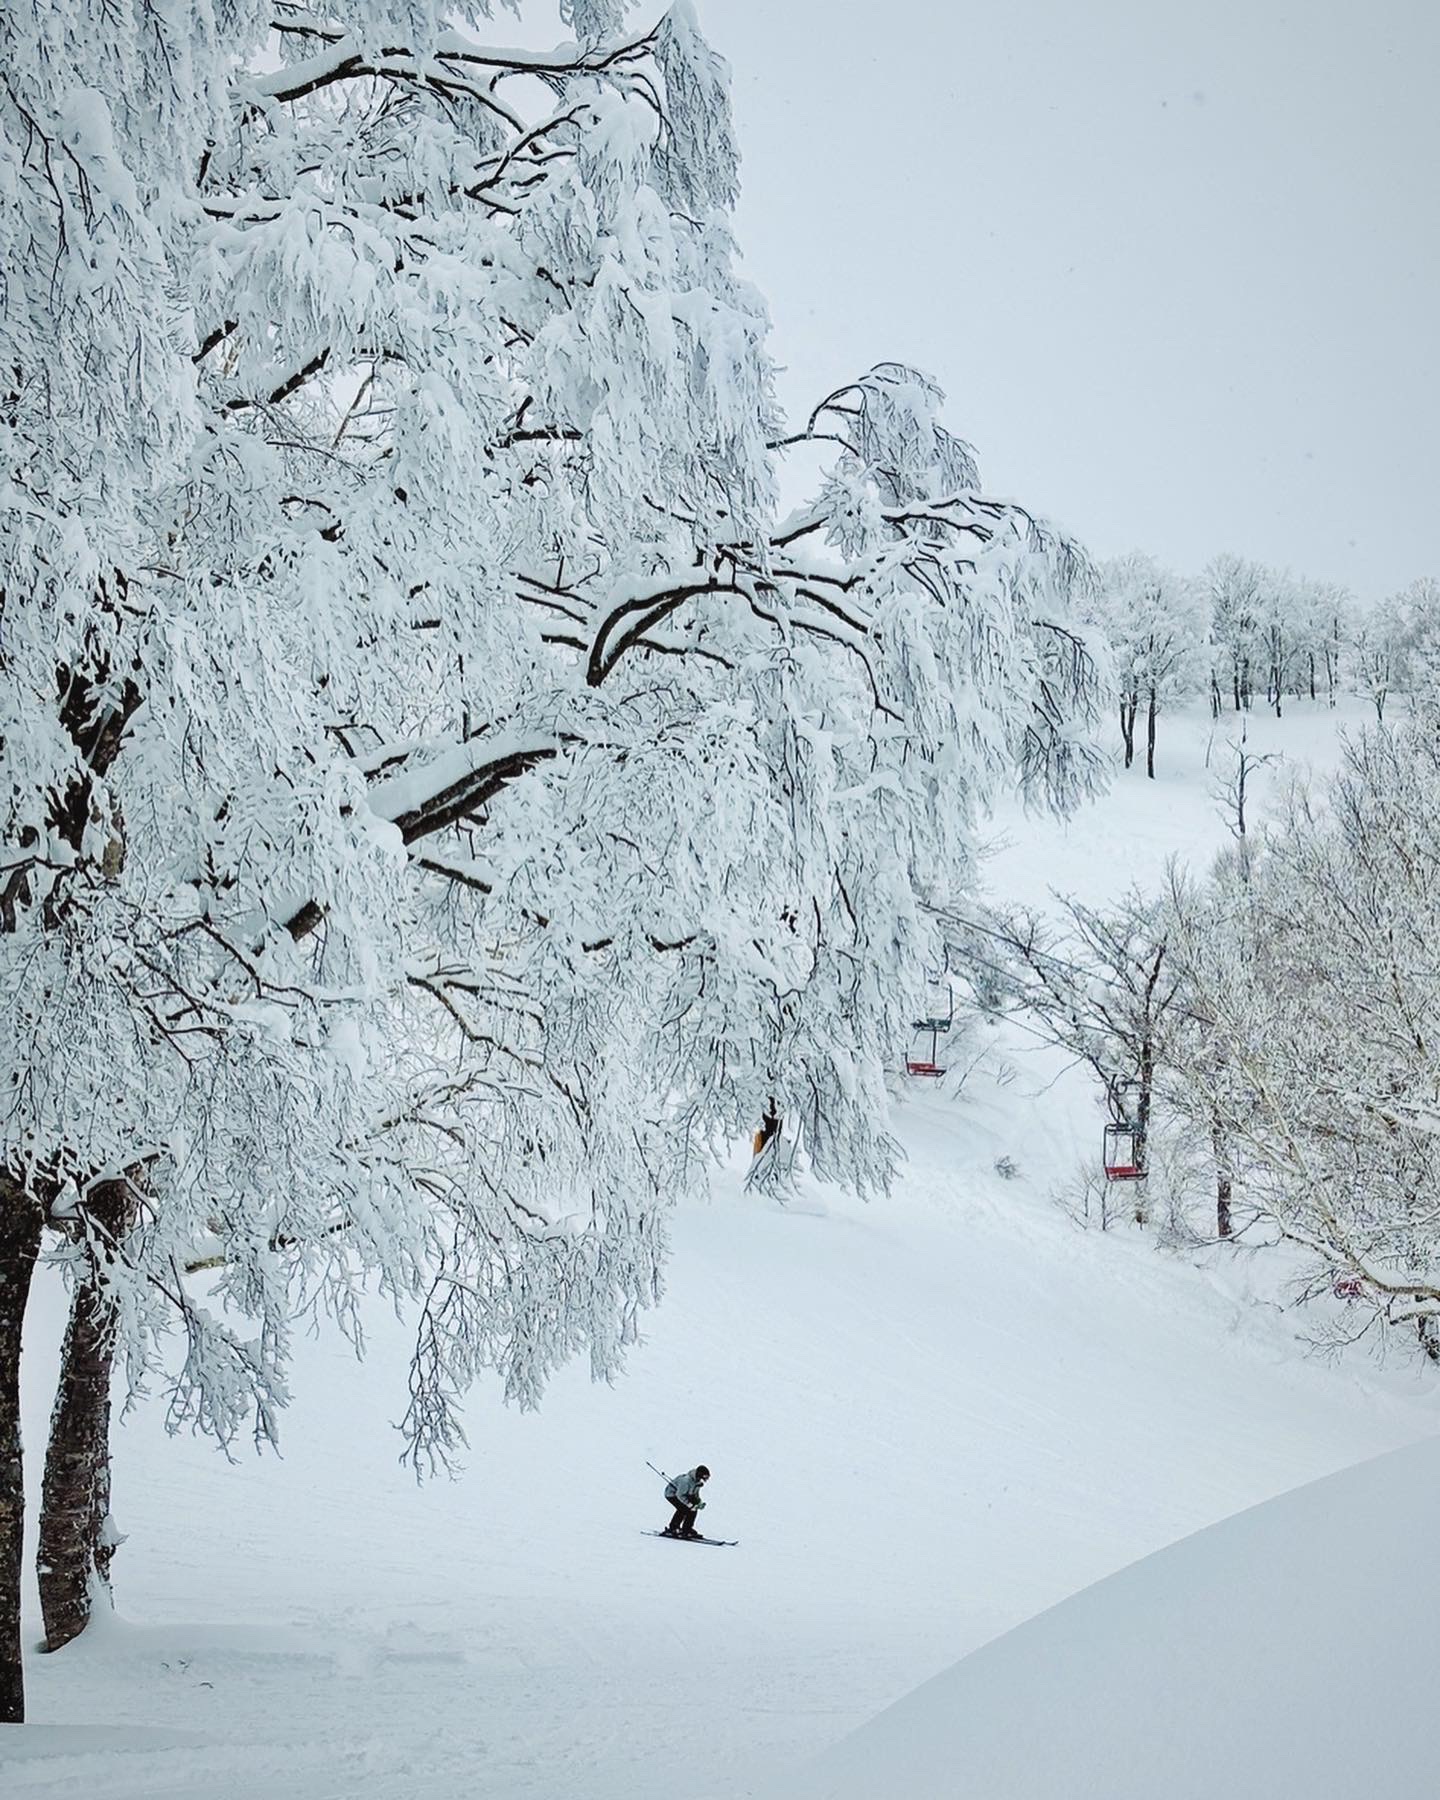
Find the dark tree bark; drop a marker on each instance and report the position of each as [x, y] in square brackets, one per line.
[1224, 1182]
[1143, 1106]
[75, 1544]
[95, 704]
[1150, 735]
[1129, 706]
[20, 1222]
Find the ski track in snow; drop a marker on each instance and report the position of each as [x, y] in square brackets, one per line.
[928, 1420]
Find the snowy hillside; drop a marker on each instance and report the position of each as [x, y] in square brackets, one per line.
[1275, 1654]
[1130, 835]
[928, 1421]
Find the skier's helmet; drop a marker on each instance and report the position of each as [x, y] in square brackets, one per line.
[702, 1473]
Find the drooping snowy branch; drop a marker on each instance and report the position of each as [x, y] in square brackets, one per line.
[446, 801]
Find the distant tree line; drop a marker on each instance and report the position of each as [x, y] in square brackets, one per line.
[1242, 635]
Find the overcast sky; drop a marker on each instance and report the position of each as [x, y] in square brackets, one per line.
[1175, 261]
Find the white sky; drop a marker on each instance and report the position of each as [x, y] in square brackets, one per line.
[1175, 261]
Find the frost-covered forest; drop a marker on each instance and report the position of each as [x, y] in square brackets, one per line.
[458, 804]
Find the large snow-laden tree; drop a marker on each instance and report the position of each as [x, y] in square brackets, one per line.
[442, 800]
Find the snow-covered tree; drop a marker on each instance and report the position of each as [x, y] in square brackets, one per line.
[1156, 626]
[1319, 1055]
[1270, 623]
[1230, 790]
[1416, 609]
[443, 800]
[1332, 629]
[1099, 984]
[1234, 588]
[1392, 653]
[1284, 626]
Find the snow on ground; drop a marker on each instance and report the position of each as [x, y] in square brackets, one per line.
[928, 1421]
[1280, 1653]
[1128, 836]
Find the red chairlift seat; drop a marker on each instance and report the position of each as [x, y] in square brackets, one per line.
[1123, 1153]
[935, 1028]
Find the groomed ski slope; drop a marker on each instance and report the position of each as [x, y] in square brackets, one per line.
[928, 1421]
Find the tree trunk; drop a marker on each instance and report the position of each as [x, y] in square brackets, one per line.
[1224, 1179]
[1128, 705]
[20, 1221]
[1312, 674]
[76, 1542]
[1150, 736]
[1142, 1128]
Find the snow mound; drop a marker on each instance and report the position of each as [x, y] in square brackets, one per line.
[1284, 1654]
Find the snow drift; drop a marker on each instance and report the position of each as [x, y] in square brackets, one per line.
[1285, 1653]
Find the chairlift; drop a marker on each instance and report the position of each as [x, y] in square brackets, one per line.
[1124, 1150]
[1124, 1153]
[934, 1027]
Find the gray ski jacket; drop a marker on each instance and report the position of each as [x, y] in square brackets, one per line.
[683, 1488]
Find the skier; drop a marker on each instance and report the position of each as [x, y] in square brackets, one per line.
[683, 1493]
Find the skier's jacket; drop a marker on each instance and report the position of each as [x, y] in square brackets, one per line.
[684, 1489]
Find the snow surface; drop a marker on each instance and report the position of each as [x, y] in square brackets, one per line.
[1281, 1653]
[928, 1420]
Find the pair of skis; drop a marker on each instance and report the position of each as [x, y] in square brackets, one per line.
[717, 1543]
